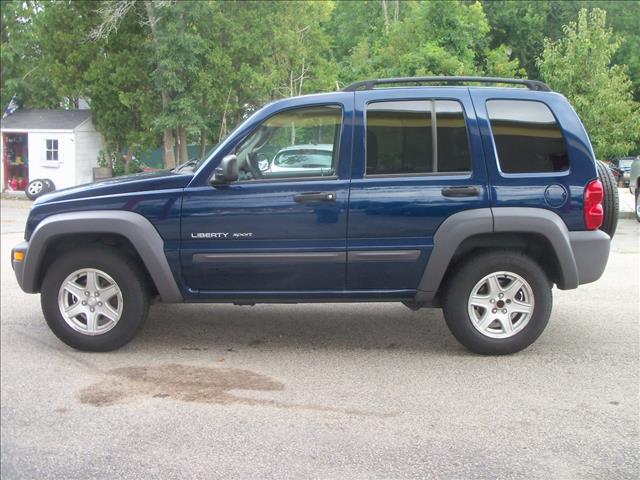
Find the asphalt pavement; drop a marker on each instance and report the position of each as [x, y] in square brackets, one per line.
[332, 391]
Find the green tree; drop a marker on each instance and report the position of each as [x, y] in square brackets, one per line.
[123, 100]
[298, 59]
[355, 21]
[624, 19]
[62, 28]
[246, 64]
[579, 66]
[524, 24]
[22, 70]
[435, 38]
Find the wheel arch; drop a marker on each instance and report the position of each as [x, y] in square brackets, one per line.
[130, 231]
[538, 232]
[70, 242]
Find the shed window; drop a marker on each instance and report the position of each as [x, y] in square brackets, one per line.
[52, 150]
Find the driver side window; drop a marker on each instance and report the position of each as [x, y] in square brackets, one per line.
[301, 142]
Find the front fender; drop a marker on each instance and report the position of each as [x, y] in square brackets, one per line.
[133, 226]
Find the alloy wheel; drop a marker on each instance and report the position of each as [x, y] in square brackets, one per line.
[90, 301]
[501, 304]
[35, 187]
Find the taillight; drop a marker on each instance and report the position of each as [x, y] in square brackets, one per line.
[593, 213]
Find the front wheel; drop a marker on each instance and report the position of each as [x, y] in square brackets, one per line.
[497, 303]
[94, 299]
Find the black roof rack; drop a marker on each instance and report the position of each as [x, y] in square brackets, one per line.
[369, 84]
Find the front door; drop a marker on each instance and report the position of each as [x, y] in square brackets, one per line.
[282, 226]
[417, 161]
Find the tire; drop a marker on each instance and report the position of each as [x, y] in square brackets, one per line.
[495, 339]
[637, 204]
[35, 188]
[73, 269]
[49, 185]
[610, 205]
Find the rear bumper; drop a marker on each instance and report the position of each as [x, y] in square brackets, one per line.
[18, 265]
[591, 252]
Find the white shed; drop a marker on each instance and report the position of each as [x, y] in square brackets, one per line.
[61, 145]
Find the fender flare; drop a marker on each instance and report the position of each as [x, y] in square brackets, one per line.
[448, 237]
[460, 226]
[549, 225]
[133, 226]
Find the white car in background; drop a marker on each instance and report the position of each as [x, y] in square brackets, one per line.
[314, 159]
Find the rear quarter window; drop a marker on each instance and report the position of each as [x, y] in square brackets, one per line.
[527, 137]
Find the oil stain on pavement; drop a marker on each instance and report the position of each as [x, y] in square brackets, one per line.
[190, 383]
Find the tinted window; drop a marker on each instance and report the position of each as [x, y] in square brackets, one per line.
[453, 142]
[527, 137]
[400, 138]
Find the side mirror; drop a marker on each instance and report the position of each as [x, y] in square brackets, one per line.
[226, 172]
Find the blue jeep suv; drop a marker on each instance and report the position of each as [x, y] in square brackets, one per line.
[476, 199]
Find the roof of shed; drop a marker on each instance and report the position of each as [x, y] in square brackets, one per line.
[45, 119]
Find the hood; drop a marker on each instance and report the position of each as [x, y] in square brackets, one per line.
[139, 182]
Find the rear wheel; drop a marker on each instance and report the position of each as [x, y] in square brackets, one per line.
[497, 303]
[610, 203]
[638, 204]
[94, 299]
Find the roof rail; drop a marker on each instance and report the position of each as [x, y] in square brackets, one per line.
[369, 84]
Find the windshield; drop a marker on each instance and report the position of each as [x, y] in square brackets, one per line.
[200, 161]
[304, 159]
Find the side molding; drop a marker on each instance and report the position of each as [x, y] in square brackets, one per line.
[248, 258]
[450, 234]
[136, 228]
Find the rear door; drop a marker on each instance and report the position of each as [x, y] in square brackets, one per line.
[417, 160]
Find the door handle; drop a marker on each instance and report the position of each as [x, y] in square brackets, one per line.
[466, 191]
[314, 197]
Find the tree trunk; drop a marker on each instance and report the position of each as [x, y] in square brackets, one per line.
[107, 153]
[223, 127]
[169, 156]
[125, 161]
[178, 152]
[167, 135]
[223, 123]
[386, 16]
[118, 154]
[203, 143]
[183, 147]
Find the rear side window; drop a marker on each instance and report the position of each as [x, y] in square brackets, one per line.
[527, 137]
[414, 137]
